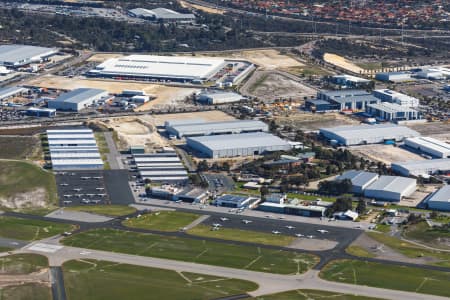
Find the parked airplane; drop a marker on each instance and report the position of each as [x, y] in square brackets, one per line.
[322, 231]
[224, 219]
[299, 235]
[246, 221]
[217, 225]
[310, 236]
[290, 227]
[77, 189]
[276, 232]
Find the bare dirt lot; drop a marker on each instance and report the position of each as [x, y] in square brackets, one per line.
[310, 122]
[268, 85]
[208, 116]
[438, 130]
[165, 95]
[202, 8]
[386, 154]
[101, 57]
[342, 62]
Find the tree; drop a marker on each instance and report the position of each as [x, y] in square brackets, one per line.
[361, 207]
[202, 166]
[264, 192]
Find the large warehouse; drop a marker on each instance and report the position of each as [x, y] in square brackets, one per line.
[225, 127]
[162, 15]
[73, 149]
[348, 98]
[391, 188]
[78, 99]
[440, 200]
[360, 179]
[218, 97]
[393, 112]
[430, 146]
[161, 167]
[422, 167]
[396, 97]
[367, 134]
[166, 68]
[232, 145]
[15, 56]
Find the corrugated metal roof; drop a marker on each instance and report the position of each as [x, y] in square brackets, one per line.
[11, 91]
[431, 143]
[442, 195]
[358, 178]
[212, 127]
[367, 131]
[19, 53]
[394, 184]
[79, 95]
[442, 164]
[244, 140]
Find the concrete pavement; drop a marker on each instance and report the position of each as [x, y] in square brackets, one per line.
[268, 283]
[114, 158]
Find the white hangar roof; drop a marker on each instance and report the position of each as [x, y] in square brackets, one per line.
[370, 131]
[395, 184]
[19, 54]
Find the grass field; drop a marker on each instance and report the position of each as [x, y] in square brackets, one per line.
[22, 263]
[412, 250]
[20, 147]
[199, 251]
[162, 220]
[358, 251]
[97, 280]
[426, 235]
[29, 291]
[106, 210]
[102, 148]
[312, 295]
[388, 276]
[18, 177]
[29, 230]
[242, 235]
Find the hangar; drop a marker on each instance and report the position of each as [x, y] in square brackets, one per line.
[422, 167]
[232, 145]
[160, 167]
[367, 134]
[360, 179]
[440, 200]
[218, 97]
[226, 127]
[162, 15]
[236, 201]
[78, 99]
[391, 188]
[430, 146]
[15, 56]
[165, 68]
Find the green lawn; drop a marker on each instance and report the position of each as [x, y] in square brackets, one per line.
[191, 250]
[107, 210]
[97, 280]
[28, 291]
[312, 295]
[22, 263]
[102, 148]
[29, 230]
[358, 251]
[162, 220]
[426, 235]
[383, 228]
[17, 177]
[388, 276]
[242, 235]
[411, 250]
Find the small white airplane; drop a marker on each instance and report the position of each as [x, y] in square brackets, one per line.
[276, 232]
[63, 184]
[299, 235]
[322, 231]
[100, 189]
[217, 225]
[67, 196]
[310, 236]
[290, 227]
[224, 219]
[246, 221]
[77, 189]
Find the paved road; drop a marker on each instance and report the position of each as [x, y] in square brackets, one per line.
[268, 283]
[57, 280]
[114, 159]
[12, 243]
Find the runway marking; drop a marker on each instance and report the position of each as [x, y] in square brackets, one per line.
[184, 277]
[47, 248]
[203, 252]
[252, 262]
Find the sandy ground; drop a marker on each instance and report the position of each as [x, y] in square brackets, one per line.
[101, 57]
[165, 95]
[202, 8]
[41, 277]
[311, 122]
[36, 198]
[386, 154]
[210, 116]
[438, 130]
[279, 86]
[341, 62]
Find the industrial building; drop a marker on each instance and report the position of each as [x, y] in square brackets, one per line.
[213, 97]
[236, 201]
[422, 167]
[367, 134]
[232, 145]
[430, 146]
[163, 68]
[360, 180]
[180, 129]
[9, 92]
[15, 56]
[440, 200]
[73, 150]
[78, 99]
[317, 105]
[387, 95]
[348, 99]
[393, 76]
[391, 188]
[393, 112]
[41, 112]
[293, 209]
[160, 167]
[351, 82]
[162, 15]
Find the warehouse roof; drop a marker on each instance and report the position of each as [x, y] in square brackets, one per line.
[345, 93]
[223, 126]
[431, 143]
[156, 159]
[160, 13]
[351, 78]
[71, 155]
[244, 140]
[442, 195]
[68, 131]
[160, 66]
[23, 53]
[391, 107]
[358, 178]
[76, 162]
[355, 98]
[439, 164]
[394, 184]
[11, 91]
[364, 131]
[86, 136]
[72, 142]
[79, 95]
